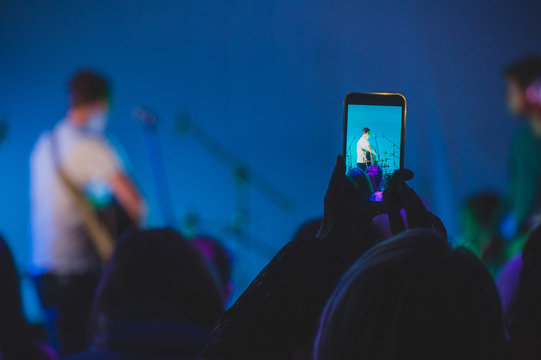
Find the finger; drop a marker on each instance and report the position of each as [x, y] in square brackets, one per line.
[396, 222]
[413, 212]
[339, 172]
[392, 205]
[334, 198]
[424, 218]
[336, 184]
[437, 224]
[416, 212]
[399, 176]
[405, 174]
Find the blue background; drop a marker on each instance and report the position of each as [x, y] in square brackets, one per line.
[266, 79]
[382, 121]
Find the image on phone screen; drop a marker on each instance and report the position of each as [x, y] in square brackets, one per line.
[373, 141]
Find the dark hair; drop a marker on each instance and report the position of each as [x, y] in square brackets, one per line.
[484, 208]
[525, 71]
[413, 297]
[86, 87]
[375, 174]
[15, 338]
[366, 130]
[156, 264]
[358, 185]
[523, 316]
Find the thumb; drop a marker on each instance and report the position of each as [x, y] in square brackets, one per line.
[335, 191]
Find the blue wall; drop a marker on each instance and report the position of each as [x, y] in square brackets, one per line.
[266, 79]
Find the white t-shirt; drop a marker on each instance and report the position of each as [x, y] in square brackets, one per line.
[60, 243]
[362, 146]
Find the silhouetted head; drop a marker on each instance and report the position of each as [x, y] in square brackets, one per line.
[15, 339]
[358, 185]
[524, 85]
[479, 216]
[10, 301]
[89, 97]
[366, 131]
[481, 209]
[413, 297]
[156, 267]
[523, 317]
[219, 261]
[375, 174]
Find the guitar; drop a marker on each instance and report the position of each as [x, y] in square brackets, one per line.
[114, 218]
[105, 223]
[369, 160]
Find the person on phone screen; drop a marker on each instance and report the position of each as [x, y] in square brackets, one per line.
[64, 265]
[365, 153]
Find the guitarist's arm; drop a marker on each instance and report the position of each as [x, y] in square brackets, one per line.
[95, 159]
[372, 151]
[128, 196]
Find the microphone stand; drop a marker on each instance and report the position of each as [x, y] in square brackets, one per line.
[3, 129]
[377, 147]
[349, 159]
[150, 135]
[394, 151]
[243, 176]
[242, 172]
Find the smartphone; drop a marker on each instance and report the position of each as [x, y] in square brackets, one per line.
[374, 131]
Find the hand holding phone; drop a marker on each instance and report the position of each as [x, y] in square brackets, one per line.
[347, 216]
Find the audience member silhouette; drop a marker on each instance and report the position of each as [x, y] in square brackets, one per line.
[523, 316]
[156, 300]
[507, 280]
[413, 297]
[479, 216]
[307, 231]
[375, 174]
[278, 313]
[16, 342]
[359, 185]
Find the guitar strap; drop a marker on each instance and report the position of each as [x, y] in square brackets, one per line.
[99, 235]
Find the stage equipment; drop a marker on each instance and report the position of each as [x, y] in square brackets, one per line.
[149, 120]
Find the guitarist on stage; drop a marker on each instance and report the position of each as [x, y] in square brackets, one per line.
[64, 262]
[365, 152]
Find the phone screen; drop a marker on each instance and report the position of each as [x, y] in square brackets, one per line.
[373, 136]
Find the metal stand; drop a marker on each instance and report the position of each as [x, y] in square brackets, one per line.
[393, 154]
[243, 176]
[152, 145]
[349, 158]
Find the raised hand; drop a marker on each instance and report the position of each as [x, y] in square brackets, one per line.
[340, 217]
[400, 196]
